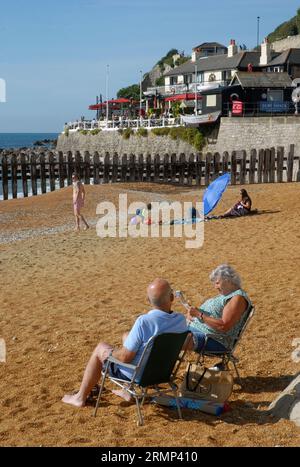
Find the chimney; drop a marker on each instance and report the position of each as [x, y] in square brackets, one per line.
[195, 54]
[232, 48]
[265, 52]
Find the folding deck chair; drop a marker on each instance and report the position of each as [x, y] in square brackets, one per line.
[158, 365]
[228, 355]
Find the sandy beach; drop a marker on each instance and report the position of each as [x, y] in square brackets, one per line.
[62, 292]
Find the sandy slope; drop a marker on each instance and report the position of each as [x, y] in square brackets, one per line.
[61, 293]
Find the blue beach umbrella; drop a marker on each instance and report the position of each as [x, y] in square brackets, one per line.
[213, 193]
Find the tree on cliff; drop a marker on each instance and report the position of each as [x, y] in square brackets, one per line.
[132, 91]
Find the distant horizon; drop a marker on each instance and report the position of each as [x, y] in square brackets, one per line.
[54, 55]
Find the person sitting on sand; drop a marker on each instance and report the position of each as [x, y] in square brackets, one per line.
[78, 201]
[160, 319]
[223, 316]
[241, 208]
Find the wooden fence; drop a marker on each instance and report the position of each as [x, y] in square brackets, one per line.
[47, 172]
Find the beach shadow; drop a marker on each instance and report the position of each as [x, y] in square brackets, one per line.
[251, 214]
[257, 384]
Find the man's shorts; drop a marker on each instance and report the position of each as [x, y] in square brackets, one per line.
[115, 372]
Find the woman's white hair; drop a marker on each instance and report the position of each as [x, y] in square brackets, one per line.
[226, 272]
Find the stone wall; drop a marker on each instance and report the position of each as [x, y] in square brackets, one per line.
[292, 42]
[112, 141]
[257, 132]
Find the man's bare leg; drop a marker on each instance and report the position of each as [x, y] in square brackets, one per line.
[77, 220]
[91, 375]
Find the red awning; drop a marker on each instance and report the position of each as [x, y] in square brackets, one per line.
[121, 100]
[183, 97]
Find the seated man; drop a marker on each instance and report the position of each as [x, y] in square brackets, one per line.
[159, 320]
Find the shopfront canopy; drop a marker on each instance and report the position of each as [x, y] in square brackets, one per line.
[183, 97]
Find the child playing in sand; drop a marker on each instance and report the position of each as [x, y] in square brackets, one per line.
[78, 201]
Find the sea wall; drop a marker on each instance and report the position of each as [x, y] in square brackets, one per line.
[112, 141]
[257, 132]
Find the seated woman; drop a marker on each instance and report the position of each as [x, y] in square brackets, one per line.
[223, 316]
[241, 208]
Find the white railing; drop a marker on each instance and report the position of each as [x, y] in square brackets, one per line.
[119, 124]
[189, 87]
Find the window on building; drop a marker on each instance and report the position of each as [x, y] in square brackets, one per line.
[211, 101]
[173, 80]
[200, 77]
[275, 95]
[188, 79]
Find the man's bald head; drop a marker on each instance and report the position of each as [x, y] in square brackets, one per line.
[160, 294]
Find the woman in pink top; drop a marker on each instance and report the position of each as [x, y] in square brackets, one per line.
[78, 201]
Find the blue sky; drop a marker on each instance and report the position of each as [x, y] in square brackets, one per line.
[53, 54]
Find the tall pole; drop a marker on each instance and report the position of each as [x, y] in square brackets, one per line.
[258, 18]
[140, 94]
[196, 103]
[107, 75]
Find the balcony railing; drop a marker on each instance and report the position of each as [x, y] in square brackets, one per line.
[123, 124]
[170, 89]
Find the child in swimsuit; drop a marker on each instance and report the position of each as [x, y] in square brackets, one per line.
[78, 202]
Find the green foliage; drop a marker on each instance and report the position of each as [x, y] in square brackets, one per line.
[161, 131]
[142, 132]
[288, 28]
[182, 60]
[160, 81]
[84, 132]
[191, 135]
[127, 133]
[66, 132]
[132, 91]
[120, 131]
[95, 131]
[175, 107]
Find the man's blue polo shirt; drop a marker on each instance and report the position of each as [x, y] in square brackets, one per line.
[148, 325]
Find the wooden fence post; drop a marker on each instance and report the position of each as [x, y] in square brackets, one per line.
[106, 168]
[77, 164]
[279, 168]
[51, 171]
[61, 171]
[24, 175]
[96, 164]
[261, 155]
[290, 163]
[132, 168]
[207, 168]
[87, 168]
[33, 157]
[156, 168]
[14, 176]
[233, 168]
[272, 165]
[70, 167]
[173, 167]
[217, 165]
[198, 168]
[252, 166]
[43, 173]
[191, 169]
[243, 162]
[166, 168]
[124, 168]
[266, 166]
[225, 162]
[181, 168]
[115, 163]
[5, 177]
[148, 168]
